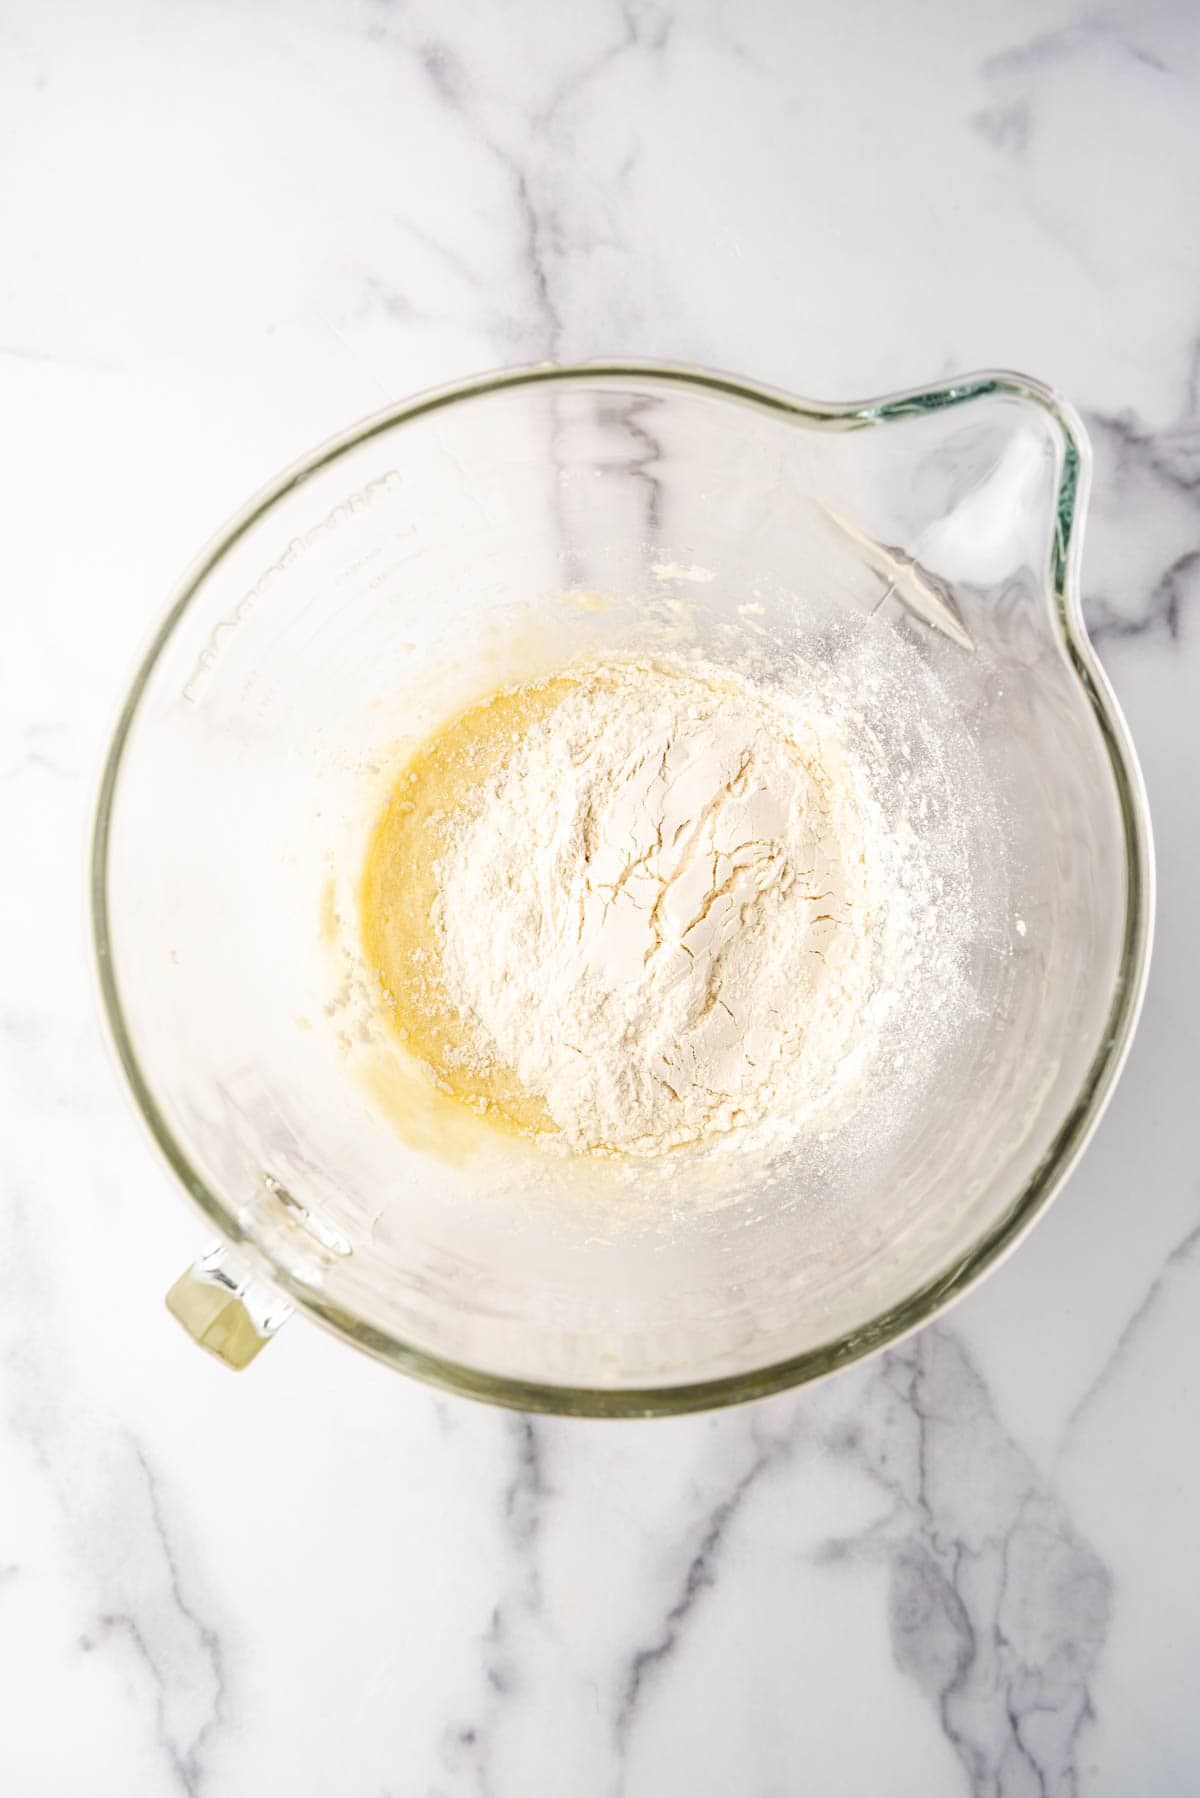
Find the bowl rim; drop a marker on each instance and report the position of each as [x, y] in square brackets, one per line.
[1076, 1127]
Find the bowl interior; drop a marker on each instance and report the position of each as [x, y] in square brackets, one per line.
[908, 565]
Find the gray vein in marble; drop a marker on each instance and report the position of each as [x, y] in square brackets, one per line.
[644, 463]
[537, 164]
[207, 1640]
[1173, 455]
[699, 1577]
[467, 1744]
[724, 16]
[998, 1609]
[1005, 127]
[1183, 1256]
[138, 1595]
[1163, 609]
[1008, 124]
[181, 1654]
[524, 1499]
[1129, 452]
[643, 27]
[448, 80]
[631, 445]
[540, 228]
[445, 72]
[36, 754]
[456, 263]
[1068, 41]
[395, 304]
[1193, 382]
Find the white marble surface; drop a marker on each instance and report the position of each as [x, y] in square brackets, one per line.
[968, 1567]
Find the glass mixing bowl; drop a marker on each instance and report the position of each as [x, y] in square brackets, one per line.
[511, 522]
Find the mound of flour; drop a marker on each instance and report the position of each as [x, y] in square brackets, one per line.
[673, 912]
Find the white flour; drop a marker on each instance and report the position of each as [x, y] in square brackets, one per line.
[676, 913]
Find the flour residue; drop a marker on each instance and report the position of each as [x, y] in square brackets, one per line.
[644, 905]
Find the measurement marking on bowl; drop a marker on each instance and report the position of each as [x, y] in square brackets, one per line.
[310, 1220]
[299, 547]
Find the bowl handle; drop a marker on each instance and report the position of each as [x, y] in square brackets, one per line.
[224, 1310]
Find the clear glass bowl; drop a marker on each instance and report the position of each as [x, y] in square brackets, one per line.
[424, 556]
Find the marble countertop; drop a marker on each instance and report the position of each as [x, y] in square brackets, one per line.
[969, 1566]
